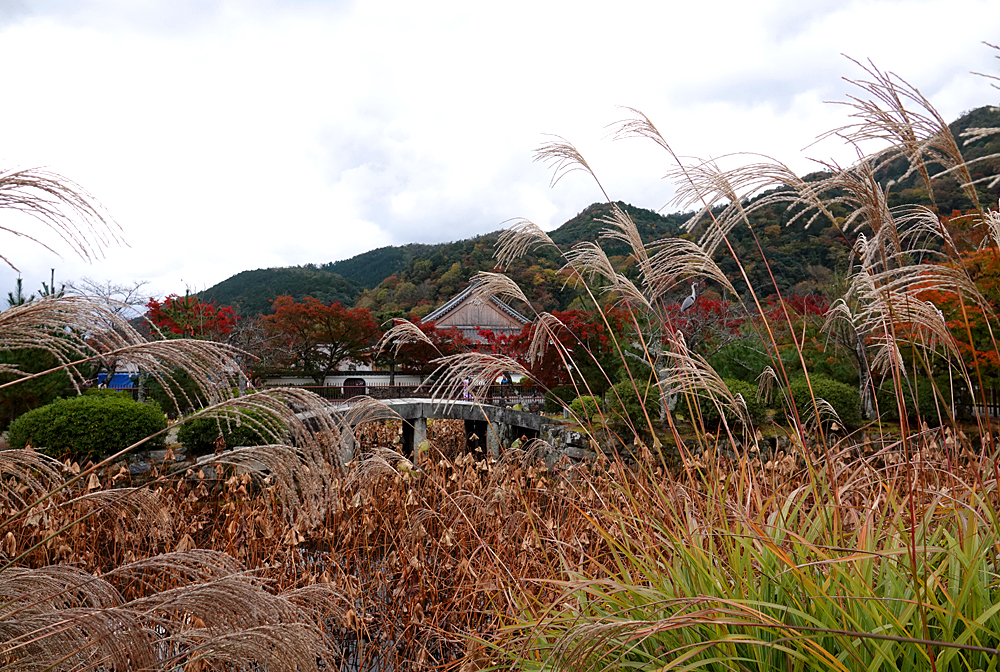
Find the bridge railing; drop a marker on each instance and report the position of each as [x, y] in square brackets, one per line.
[493, 394]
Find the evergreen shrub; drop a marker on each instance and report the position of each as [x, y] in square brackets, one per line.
[89, 426]
[178, 395]
[30, 394]
[243, 428]
[755, 409]
[629, 410]
[929, 406]
[586, 407]
[845, 399]
[559, 397]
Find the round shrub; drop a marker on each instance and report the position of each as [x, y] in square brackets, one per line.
[244, 427]
[586, 407]
[755, 409]
[845, 399]
[90, 426]
[629, 410]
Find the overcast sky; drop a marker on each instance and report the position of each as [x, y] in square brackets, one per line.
[225, 136]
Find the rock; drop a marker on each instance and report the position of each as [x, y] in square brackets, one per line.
[139, 468]
[575, 453]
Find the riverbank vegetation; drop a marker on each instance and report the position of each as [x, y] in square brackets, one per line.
[763, 516]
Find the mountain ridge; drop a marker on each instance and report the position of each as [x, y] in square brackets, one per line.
[395, 281]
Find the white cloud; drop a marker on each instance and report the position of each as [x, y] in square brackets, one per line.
[232, 135]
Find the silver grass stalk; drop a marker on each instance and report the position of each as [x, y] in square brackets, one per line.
[34, 473]
[169, 570]
[284, 647]
[987, 75]
[588, 260]
[547, 332]
[479, 368]
[77, 330]
[686, 373]
[564, 158]
[60, 205]
[521, 237]
[676, 262]
[59, 617]
[765, 384]
[487, 285]
[139, 509]
[821, 412]
[897, 113]
[622, 228]
[402, 333]
[991, 219]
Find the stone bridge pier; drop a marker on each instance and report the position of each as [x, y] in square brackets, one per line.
[492, 428]
[489, 427]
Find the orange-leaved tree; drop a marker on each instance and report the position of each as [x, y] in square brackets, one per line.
[975, 327]
[317, 337]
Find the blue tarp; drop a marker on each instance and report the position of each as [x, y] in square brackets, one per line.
[119, 381]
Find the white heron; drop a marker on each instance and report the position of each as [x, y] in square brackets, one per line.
[689, 300]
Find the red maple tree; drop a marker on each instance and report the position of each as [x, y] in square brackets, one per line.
[191, 317]
[316, 337]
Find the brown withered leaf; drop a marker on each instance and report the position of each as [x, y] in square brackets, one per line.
[185, 543]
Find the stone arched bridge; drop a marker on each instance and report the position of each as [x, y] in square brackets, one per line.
[493, 426]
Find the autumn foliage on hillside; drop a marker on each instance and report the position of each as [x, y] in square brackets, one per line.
[973, 324]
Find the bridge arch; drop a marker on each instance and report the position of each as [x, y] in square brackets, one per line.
[494, 426]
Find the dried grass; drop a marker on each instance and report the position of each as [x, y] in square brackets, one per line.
[868, 552]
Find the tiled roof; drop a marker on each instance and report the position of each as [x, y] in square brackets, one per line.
[457, 300]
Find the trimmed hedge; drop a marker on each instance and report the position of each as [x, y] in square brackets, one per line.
[630, 408]
[586, 407]
[251, 428]
[90, 426]
[845, 399]
[755, 409]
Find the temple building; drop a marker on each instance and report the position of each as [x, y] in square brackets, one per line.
[469, 313]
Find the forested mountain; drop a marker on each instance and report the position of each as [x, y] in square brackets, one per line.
[589, 224]
[370, 268]
[948, 196]
[802, 259]
[430, 279]
[251, 292]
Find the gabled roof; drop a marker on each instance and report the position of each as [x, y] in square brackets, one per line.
[462, 296]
